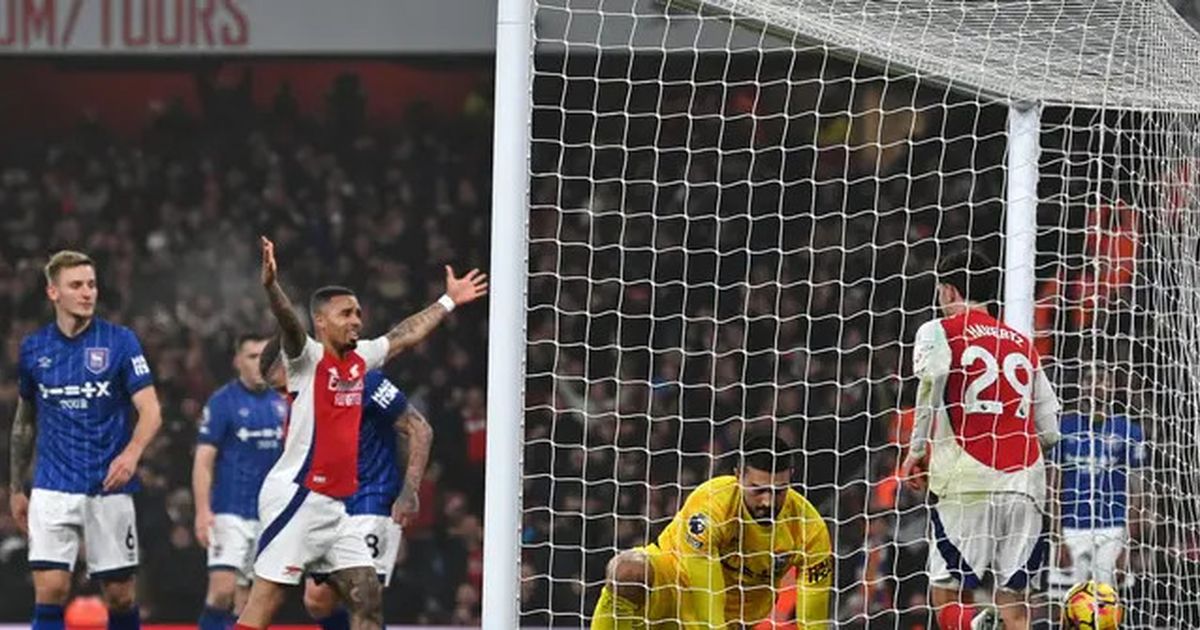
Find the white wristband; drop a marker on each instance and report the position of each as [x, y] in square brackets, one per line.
[446, 303]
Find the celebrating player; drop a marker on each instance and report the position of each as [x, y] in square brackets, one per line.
[380, 507]
[991, 411]
[80, 377]
[720, 560]
[240, 438]
[301, 502]
[1100, 455]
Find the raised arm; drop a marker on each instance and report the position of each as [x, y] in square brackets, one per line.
[413, 426]
[416, 328]
[20, 450]
[291, 328]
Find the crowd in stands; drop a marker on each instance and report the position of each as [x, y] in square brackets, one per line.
[752, 241]
[172, 217]
[720, 256]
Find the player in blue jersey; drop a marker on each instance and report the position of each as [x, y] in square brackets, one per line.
[1100, 456]
[239, 440]
[383, 503]
[81, 379]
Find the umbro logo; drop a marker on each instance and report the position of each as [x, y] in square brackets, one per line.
[44, 362]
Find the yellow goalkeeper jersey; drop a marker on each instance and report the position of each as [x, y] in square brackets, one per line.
[754, 557]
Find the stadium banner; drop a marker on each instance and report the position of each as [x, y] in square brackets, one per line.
[225, 27]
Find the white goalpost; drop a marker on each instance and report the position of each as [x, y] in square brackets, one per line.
[716, 213]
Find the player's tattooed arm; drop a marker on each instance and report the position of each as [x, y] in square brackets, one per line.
[24, 431]
[363, 595]
[412, 427]
[292, 329]
[416, 328]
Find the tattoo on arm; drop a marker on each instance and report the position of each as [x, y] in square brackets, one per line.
[363, 595]
[289, 321]
[413, 330]
[24, 430]
[420, 437]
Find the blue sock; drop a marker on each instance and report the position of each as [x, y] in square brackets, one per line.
[216, 619]
[339, 620]
[48, 617]
[128, 620]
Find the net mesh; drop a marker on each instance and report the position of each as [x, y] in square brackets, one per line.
[736, 209]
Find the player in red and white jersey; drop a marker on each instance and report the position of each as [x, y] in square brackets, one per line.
[986, 415]
[301, 508]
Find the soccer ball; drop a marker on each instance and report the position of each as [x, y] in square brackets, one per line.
[1091, 605]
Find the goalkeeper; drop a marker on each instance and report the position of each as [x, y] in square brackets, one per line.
[720, 560]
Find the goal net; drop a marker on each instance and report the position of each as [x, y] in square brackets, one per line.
[736, 209]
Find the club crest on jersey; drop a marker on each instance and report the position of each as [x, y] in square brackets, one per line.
[95, 359]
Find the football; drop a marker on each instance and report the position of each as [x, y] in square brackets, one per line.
[1091, 605]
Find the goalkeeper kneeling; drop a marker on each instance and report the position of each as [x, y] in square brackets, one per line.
[720, 561]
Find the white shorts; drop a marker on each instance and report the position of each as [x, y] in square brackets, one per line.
[232, 541]
[1094, 553]
[382, 536]
[304, 532]
[107, 523]
[1001, 534]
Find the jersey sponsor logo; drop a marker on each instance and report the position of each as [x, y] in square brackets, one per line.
[140, 367]
[738, 565]
[1091, 464]
[819, 571]
[243, 434]
[347, 399]
[348, 392]
[76, 396]
[95, 359]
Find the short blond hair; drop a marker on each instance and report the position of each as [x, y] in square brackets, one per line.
[66, 259]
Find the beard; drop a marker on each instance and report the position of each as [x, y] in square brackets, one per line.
[762, 514]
